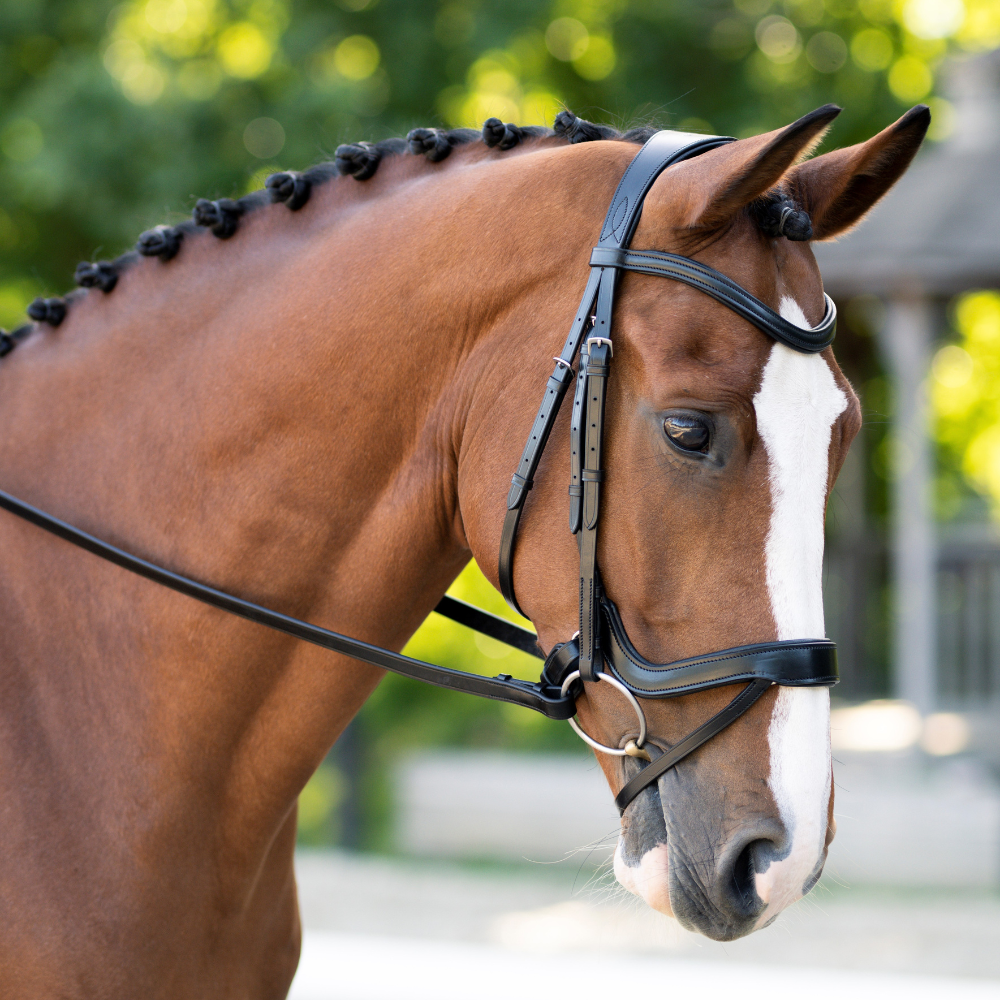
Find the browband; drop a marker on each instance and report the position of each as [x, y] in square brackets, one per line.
[726, 291]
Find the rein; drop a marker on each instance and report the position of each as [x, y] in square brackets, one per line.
[601, 649]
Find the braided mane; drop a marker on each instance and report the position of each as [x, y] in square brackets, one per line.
[775, 214]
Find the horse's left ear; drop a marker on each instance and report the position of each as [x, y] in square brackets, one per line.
[838, 188]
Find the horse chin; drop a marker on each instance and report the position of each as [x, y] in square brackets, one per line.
[650, 879]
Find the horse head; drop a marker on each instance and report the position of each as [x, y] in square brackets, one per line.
[721, 447]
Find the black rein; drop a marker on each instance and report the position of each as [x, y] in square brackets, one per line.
[540, 697]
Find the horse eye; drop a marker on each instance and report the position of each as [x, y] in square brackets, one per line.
[687, 432]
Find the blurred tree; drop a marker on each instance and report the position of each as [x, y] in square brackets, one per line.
[965, 395]
[116, 117]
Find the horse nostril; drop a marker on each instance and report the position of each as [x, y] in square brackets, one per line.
[751, 862]
[742, 881]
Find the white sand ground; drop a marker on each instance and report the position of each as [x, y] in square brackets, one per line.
[384, 928]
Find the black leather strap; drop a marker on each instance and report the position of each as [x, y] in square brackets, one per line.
[523, 480]
[592, 474]
[576, 445]
[489, 624]
[663, 149]
[690, 743]
[802, 663]
[724, 290]
[540, 697]
[545, 420]
[560, 663]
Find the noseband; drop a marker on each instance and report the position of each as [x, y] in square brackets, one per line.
[601, 649]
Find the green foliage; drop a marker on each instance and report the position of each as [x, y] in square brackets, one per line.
[116, 117]
[964, 387]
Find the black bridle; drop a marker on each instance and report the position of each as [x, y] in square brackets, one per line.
[602, 641]
[601, 648]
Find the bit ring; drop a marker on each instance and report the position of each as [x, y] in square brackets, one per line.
[615, 683]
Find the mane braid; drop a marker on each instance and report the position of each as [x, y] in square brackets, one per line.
[359, 160]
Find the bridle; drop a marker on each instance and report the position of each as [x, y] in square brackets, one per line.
[601, 650]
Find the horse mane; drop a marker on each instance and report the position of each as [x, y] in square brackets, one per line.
[774, 213]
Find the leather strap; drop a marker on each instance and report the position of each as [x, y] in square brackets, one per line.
[724, 290]
[560, 663]
[691, 742]
[576, 445]
[663, 149]
[489, 624]
[799, 663]
[592, 474]
[538, 696]
[660, 151]
[522, 480]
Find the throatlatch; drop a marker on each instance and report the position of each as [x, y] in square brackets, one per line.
[601, 650]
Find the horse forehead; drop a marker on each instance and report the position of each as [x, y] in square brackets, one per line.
[797, 383]
[690, 342]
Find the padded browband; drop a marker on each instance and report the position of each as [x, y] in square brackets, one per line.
[801, 663]
[724, 290]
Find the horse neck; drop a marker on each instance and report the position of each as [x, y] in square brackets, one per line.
[284, 416]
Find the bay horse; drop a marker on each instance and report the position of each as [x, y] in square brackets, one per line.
[318, 409]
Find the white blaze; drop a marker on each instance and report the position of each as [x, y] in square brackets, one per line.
[796, 407]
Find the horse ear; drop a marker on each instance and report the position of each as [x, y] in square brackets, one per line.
[838, 188]
[713, 187]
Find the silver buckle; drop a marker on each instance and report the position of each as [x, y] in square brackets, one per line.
[602, 340]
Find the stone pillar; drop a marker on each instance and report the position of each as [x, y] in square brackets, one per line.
[907, 339]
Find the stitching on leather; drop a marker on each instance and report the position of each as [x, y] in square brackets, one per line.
[686, 267]
[686, 264]
[621, 184]
[731, 285]
[720, 682]
[794, 334]
[697, 684]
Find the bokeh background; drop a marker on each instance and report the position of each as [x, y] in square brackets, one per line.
[116, 117]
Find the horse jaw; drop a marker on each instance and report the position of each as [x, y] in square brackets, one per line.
[796, 406]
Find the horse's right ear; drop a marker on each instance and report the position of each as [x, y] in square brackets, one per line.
[838, 188]
[706, 192]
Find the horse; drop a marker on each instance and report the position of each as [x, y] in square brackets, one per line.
[312, 396]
